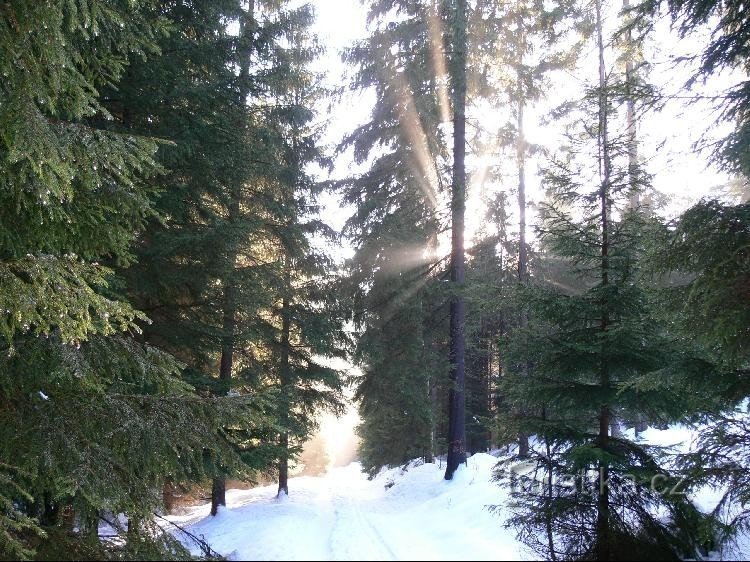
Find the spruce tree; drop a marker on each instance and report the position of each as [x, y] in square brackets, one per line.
[309, 327]
[456, 393]
[591, 351]
[215, 209]
[93, 421]
[392, 279]
[491, 278]
[704, 262]
[726, 50]
[521, 44]
[232, 248]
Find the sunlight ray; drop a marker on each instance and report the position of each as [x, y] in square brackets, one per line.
[411, 127]
[407, 257]
[394, 305]
[439, 63]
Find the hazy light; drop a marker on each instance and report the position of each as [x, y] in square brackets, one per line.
[438, 60]
[405, 258]
[411, 128]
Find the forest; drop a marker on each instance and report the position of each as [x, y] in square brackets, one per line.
[524, 261]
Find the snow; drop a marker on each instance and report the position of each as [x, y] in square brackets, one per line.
[683, 438]
[411, 514]
[408, 513]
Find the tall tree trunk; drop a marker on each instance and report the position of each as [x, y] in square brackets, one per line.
[286, 382]
[603, 546]
[457, 413]
[632, 130]
[489, 395]
[429, 449]
[485, 398]
[432, 378]
[218, 494]
[229, 301]
[523, 258]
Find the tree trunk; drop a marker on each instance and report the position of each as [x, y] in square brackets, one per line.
[632, 130]
[218, 494]
[229, 304]
[548, 515]
[284, 466]
[168, 495]
[640, 426]
[88, 523]
[286, 382]
[603, 546]
[457, 396]
[229, 321]
[523, 259]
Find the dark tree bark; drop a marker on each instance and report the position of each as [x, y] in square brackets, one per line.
[432, 397]
[218, 489]
[603, 546]
[229, 304]
[286, 383]
[632, 130]
[457, 396]
[523, 257]
[548, 517]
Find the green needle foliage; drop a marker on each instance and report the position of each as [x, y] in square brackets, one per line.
[93, 422]
[595, 351]
[391, 280]
[704, 261]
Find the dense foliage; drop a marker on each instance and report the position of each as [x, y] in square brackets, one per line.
[152, 181]
[171, 319]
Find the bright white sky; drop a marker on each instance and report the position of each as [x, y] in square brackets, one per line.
[680, 174]
[683, 176]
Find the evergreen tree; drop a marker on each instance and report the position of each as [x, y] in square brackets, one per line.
[705, 258]
[205, 273]
[310, 330]
[395, 228]
[521, 44]
[591, 352]
[231, 255]
[456, 392]
[726, 50]
[491, 280]
[93, 422]
[704, 261]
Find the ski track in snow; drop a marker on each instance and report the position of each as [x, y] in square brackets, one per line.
[345, 516]
[354, 537]
[399, 515]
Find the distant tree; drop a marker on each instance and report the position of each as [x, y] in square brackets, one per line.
[520, 45]
[592, 350]
[311, 322]
[491, 276]
[457, 390]
[391, 282]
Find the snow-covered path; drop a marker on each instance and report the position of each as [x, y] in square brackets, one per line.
[345, 516]
[408, 514]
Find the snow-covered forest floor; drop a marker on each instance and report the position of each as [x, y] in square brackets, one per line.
[406, 513]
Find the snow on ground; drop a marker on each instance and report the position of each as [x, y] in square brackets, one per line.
[411, 514]
[683, 439]
[399, 515]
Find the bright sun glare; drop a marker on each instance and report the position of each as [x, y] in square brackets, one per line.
[491, 170]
